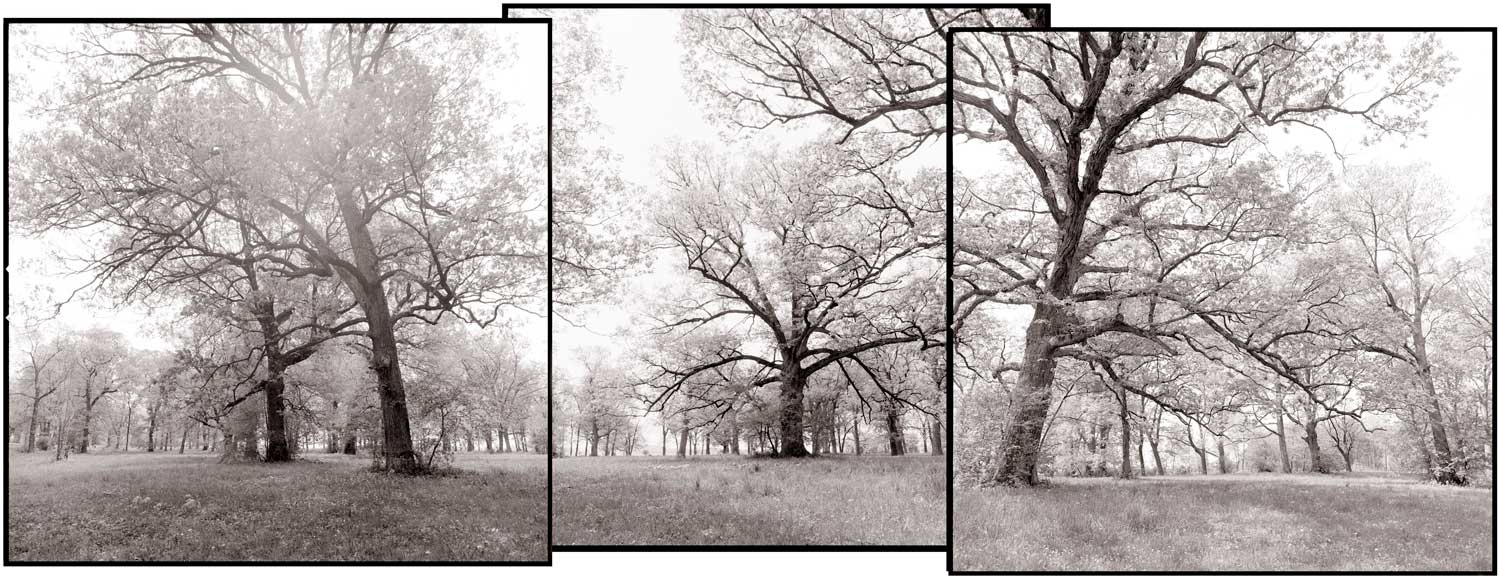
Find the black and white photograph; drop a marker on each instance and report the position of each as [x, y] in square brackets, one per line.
[276, 291]
[1223, 300]
[749, 259]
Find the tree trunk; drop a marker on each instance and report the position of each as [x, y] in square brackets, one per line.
[1445, 470]
[938, 434]
[593, 437]
[1223, 457]
[151, 430]
[88, 416]
[793, 384]
[1125, 470]
[36, 405]
[277, 448]
[1201, 447]
[859, 449]
[1140, 455]
[682, 442]
[1286, 457]
[893, 430]
[1314, 450]
[1020, 447]
[385, 359]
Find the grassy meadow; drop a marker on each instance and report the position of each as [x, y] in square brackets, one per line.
[731, 500]
[171, 507]
[1259, 522]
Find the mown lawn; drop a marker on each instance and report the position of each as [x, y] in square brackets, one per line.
[170, 507]
[1264, 522]
[743, 501]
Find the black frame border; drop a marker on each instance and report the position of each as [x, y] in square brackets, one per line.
[548, 562]
[1494, 547]
[1046, 13]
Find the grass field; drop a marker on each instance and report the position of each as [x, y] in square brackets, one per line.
[1266, 522]
[742, 501]
[166, 507]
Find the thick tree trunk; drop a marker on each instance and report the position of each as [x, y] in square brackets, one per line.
[895, 436]
[1314, 449]
[593, 437]
[793, 385]
[1021, 445]
[277, 448]
[859, 450]
[385, 360]
[489, 441]
[1223, 456]
[938, 434]
[682, 442]
[396, 443]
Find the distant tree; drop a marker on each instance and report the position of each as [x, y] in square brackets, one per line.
[825, 257]
[1395, 216]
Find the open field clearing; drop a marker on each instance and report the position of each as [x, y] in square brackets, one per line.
[174, 507]
[745, 501]
[1265, 522]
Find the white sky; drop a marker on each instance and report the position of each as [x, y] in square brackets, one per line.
[521, 80]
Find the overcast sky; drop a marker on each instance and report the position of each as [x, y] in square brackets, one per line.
[521, 80]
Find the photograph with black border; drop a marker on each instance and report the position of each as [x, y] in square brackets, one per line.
[1222, 300]
[277, 291]
[748, 231]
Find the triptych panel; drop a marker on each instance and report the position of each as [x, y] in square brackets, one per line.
[734, 277]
